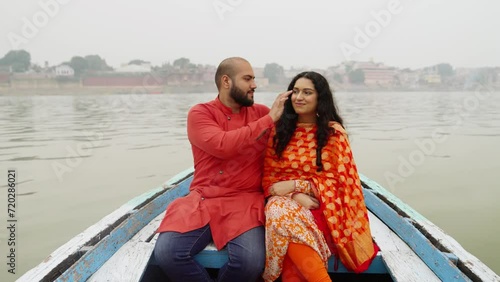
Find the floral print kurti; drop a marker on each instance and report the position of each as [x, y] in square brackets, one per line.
[340, 194]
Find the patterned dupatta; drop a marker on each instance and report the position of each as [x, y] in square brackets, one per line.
[338, 186]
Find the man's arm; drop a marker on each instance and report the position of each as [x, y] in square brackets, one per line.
[206, 134]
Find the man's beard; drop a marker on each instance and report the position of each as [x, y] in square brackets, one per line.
[240, 97]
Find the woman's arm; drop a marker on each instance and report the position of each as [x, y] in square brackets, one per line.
[307, 201]
[282, 188]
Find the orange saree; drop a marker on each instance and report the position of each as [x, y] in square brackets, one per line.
[339, 190]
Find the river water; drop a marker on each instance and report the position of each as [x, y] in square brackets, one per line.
[77, 158]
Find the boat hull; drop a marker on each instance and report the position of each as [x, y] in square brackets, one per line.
[120, 246]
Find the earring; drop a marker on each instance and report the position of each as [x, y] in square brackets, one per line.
[317, 115]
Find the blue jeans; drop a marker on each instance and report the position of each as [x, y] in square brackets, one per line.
[175, 253]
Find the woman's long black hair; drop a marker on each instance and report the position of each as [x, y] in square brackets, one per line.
[326, 112]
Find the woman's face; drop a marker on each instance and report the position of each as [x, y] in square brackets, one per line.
[305, 100]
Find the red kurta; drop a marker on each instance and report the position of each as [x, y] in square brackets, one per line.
[226, 192]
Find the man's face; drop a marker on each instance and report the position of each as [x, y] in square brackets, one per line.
[243, 85]
[244, 99]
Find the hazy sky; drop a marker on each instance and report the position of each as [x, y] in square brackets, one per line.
[314, 33]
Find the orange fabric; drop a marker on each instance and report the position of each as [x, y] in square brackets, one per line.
[308, 262]
[287, 221]
[339, 189]
[226, 192]
[290, 272]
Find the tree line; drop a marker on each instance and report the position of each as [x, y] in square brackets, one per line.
[20, 61]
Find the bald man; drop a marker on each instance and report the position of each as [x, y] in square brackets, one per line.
[226, 203]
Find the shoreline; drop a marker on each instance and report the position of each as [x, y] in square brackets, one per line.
[61, 91]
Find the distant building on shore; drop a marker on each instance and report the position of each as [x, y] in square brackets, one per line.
[64, 70]
[377, 74]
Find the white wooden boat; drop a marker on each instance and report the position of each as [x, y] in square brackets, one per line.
[119, 247]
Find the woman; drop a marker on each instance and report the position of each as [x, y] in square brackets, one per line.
[315, 203]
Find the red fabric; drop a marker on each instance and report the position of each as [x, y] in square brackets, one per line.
[363, 267]
[320, 220]
[323, 226]
[226, 192]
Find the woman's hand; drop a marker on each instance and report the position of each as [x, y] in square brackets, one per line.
[282, 188]
[308, 202]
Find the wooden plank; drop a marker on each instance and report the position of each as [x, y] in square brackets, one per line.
[401, 262]
[467, 263]
[432, 256]
[91, 261]
[127, 264]
[400, 267]
[130, 261]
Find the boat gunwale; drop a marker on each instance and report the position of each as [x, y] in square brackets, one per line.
[468, 264]
[438, 261]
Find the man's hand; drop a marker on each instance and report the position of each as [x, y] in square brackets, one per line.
[308, 202]
[279, 105]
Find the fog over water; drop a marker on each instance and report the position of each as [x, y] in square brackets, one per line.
[316, 34]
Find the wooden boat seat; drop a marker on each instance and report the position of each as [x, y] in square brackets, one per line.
[398, 258]
[211, 258]
[129, 262]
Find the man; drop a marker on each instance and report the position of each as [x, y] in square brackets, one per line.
[226, 204]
